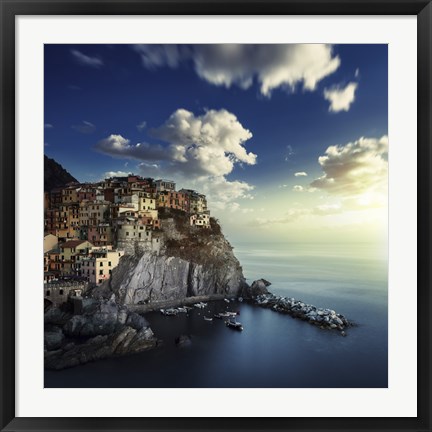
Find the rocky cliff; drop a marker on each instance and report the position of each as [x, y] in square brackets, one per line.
[55, 175]
[192, 262]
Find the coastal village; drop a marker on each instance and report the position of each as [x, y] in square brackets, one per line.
[90, 226]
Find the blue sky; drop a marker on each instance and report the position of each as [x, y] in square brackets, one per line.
[234, 121]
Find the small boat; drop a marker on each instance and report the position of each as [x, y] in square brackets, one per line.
[200, 305]
[208, 319]
[225, 314]
[181, 310]
[218, 316]
[169, 312]
[232, 323]
[231, 314]
[226, 300]
[240, 299]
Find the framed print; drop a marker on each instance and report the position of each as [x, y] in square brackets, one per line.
[235, 215]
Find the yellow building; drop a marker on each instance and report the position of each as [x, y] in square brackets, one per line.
[98, 267]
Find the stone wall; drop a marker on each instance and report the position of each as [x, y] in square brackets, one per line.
[58, 292]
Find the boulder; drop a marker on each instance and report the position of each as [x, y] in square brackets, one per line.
[257, 288]
[183, 340]
[136, 321]
[53, 338]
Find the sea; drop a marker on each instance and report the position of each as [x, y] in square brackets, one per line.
[273, 350]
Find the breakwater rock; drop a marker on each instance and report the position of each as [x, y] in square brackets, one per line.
[103, 329]
[323, 318]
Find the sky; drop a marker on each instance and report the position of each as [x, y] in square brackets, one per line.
[288, 141]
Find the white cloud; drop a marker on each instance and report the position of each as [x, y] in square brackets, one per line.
[207, 145]
[357, 73]
[200, 152]
[298, 188]
[355, 169]
[118, 146]
[86, 60]
[116, 174]
[341, 98]
[48, 126]
[300, 174]
[141, 126]
[272, 66]
[221, 193]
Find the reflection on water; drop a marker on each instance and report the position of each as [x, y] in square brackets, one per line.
[274, 350]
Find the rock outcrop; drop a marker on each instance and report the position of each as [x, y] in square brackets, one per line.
[192, 262]
[323, 318]
[257, 288]
[103, 330]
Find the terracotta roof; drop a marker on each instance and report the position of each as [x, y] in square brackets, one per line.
[72, 243]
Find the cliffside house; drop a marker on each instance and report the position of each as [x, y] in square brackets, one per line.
[201, 220]
[197, 201]
[164, 185]
[98, 266]
[71, 253]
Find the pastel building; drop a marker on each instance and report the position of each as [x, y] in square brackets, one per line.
[93, 213]
[164, 185]
[100, 235]
[98, 267]
[70, 195]
[200, 220]
[197, 201]
[174, 200]
[146, 202]
[71, 253]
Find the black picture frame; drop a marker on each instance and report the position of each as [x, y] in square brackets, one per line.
[10, 9]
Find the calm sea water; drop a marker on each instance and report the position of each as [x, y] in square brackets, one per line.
[274, 350]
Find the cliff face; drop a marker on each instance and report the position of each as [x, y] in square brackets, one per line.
[192, 262]
[55, 175]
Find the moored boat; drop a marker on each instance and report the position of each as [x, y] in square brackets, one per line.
[169, 312]
[232, 323]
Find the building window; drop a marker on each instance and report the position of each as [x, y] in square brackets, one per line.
[101, 272]
[127, 233]
[48, 293]
[100, 281]
[109, 263]
[110, 271]
[101, 264]
[61, 292]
